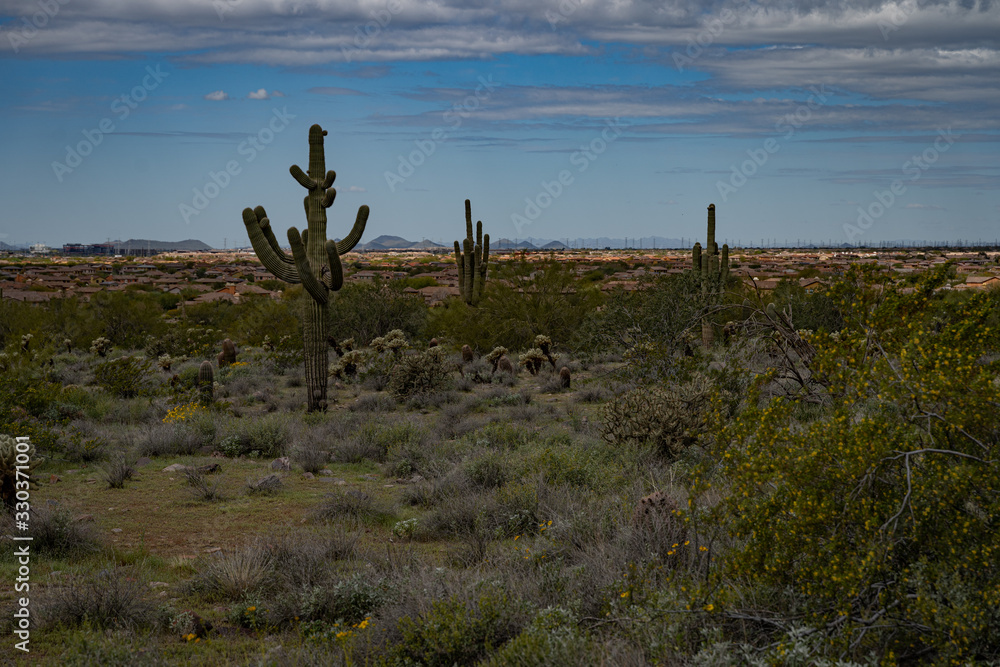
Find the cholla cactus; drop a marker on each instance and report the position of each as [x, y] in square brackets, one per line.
[10, 459]
[394, 341]
[68, 344]
[544, 343]
[165, 361]
[532, 360]
[26, 342]
[100, 346]
[206, 383]
[347, 365]
[494, 356]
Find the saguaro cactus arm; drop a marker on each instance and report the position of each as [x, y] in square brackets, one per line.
[266, 246]
[347, 244]
[316, 289]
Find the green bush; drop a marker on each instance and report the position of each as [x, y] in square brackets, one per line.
[459, 632]
[124, 377]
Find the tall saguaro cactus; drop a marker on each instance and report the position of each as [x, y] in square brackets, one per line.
[713, 267]
[315, 261]
[472, 259]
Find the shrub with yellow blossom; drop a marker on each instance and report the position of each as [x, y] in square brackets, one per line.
[880, 512]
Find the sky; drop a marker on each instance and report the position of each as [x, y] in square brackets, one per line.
[802, 121]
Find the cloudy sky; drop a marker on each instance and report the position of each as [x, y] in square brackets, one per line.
[843, 121]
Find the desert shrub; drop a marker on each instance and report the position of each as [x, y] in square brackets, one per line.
[124, 377]
[553, 637]
[118, 469]
[200, 487]
[501, 436]
[350, 505]
[459, 631]
[310, 457]
[127, 318]
[422, 372]
[115, 597]
[377, 441]
[373, 403]
[56, 533]
[265, 436]
[491, 470]
[168, 440]
[236, 573]
[671, 417]
[592, 393]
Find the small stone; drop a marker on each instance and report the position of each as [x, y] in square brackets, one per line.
[84, 517]
[144, 461]
[369, 476]
[116, 530]
[326, 472]
[213, 550]
[283, 463]
[158, 584]
[177, 467]
[308, 475]
[54, 478]
[210, 468]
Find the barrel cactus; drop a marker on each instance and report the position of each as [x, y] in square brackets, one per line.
[315, 261]
[206, 383]
[472, 258]
[228, 354]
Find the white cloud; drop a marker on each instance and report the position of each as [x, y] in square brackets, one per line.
[356, 188]
[259, 94]
[217, 96]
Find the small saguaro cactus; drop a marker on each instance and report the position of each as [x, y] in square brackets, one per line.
[206, 383]
[315, 261]
[467, 354]
[472, 258]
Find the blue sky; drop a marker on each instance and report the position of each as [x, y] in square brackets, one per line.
[815, 121]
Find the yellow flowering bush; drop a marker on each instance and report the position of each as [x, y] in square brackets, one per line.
[881, 512]
[183, 413]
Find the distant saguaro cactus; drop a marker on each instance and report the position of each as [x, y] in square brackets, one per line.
[315, 261]
[472, 258]
[206, 383]
[713, 267]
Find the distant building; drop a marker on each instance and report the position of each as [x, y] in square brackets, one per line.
[38, 249]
